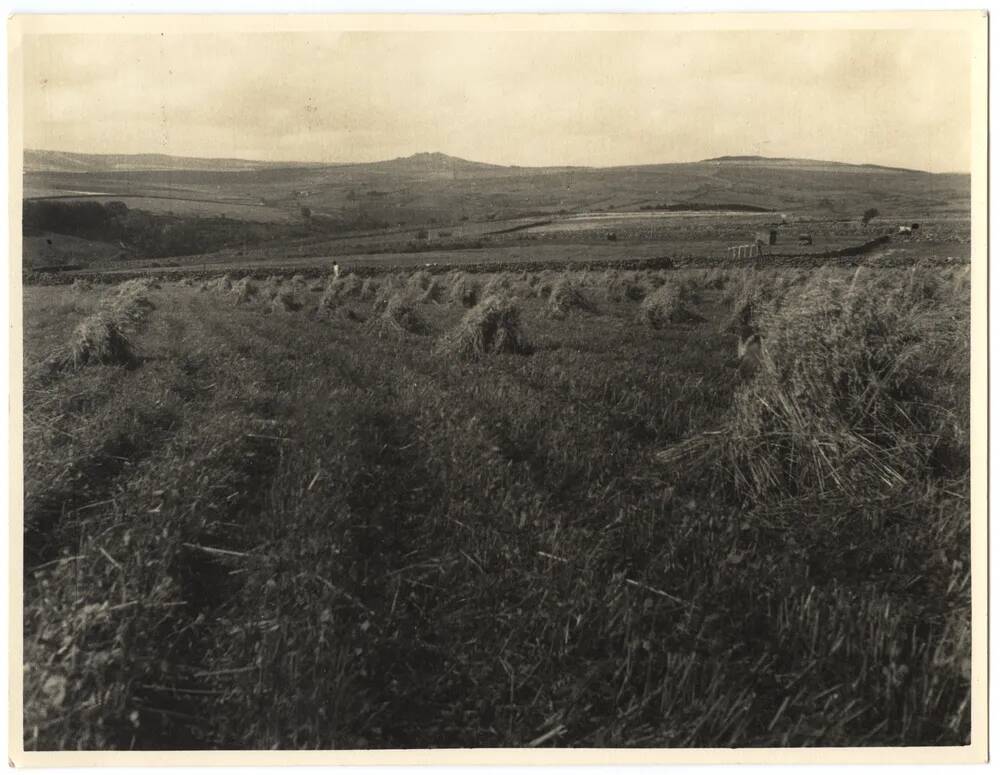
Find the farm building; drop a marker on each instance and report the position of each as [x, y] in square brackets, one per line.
[766, 236]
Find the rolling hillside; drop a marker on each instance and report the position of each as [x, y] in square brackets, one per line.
[64, 161]
[433, 187]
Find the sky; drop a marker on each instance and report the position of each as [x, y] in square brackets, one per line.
[898, 98]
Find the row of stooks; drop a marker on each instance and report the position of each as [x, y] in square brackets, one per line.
[103, 336]
[855, 381]
[492, 324]
[860, 386]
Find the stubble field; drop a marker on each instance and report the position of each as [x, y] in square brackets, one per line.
[539, 508]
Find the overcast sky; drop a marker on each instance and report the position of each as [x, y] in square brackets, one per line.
[529, 98]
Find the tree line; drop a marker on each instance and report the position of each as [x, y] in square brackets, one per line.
[154, 235]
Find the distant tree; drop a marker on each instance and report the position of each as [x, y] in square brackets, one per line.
[870, 213]
[422, 234]
[306, 212]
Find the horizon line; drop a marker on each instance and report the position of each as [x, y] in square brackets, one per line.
[279, 163]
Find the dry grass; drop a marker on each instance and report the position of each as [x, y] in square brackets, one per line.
[270, 288]
[285, 301]
[749, 293]
[498, 285]
[434, 293]
[332, 305]
[567, 296]
[398, 316]
[667, 305]
[137, 286]
[222, 284]
[622, 286]
[418, 282]
[544, 282]
[464, 290]
[613, 283]
[492, 326]
[328, 303]
[345, 286]
[127, 305]
[331, 309]
[99, 339]
[635, 289]
[852, 392]
[652, 279]
[244, 291]
[392, 286]
[714, 279]
[369, 288]
[346, 529]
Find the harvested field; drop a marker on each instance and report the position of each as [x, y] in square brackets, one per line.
[392, 530]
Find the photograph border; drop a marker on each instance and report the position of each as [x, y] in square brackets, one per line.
[975, 22]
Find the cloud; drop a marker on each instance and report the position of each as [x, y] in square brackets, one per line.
[891, 97]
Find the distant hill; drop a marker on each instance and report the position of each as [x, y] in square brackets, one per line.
[442, 166]
[429, 188]
[814, 164]
[438, 162]
[64, 161]
[434, 163]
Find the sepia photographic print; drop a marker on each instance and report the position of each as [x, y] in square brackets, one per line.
[498, 389]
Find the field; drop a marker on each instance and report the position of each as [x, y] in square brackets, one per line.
[175, 204]
[197, 212]
[429, 188]
[527, 508]
[564, 240]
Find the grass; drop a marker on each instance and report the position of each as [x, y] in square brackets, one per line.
[244, 291]
[464, 290]
[492, 326]
[99, 339]
[668, 304]
[565, 296]
[102, 336]
[286, 300]
[434, 293]
[278, 531]
[399, 316]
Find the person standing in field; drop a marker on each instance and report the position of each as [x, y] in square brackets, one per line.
[336, 270]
